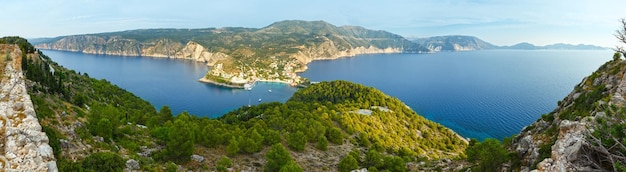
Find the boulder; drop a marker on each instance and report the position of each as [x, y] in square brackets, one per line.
[132, 164]
[98, 139]
[360, 170]
[64, 143]
[197, 158]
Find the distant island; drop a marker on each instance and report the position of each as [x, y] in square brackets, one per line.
[471, 43]
[239, 57]
[558, 46]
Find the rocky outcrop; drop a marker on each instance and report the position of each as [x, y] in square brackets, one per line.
[23, 145]
[132, 165]
[197, 52]
[328, 51]
[562, 140]
[567, 148]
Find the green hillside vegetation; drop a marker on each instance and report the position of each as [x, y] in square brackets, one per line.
[91, 123]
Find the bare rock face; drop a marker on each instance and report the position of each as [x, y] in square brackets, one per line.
[328, 51]
[23, 146]
[566, 131]
[132, 165]
[197, 52]
[116, 45]
[567, 148]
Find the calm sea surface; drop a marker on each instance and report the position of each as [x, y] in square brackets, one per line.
[478, 94]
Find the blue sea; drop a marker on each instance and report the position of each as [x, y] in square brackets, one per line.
[478, 94]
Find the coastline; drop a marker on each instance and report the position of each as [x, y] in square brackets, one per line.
[205, 80]
[346, 54]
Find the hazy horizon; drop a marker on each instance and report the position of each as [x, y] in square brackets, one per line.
[501, 23]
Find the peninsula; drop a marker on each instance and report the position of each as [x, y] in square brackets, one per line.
[239, 56]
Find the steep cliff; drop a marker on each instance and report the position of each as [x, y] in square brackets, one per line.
[23, 145]
[240, 55]
[118, 45]
[585, 132]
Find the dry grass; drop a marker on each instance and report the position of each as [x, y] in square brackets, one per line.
[7, 54]
[3, 60]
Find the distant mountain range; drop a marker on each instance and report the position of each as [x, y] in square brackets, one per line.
[469, 43]
[453, 43]
[529, 46]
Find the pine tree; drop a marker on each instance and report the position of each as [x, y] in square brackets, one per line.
[180, 141]
[104, 129]
[322, 143]
[277, 157]
[233, 147]
[296, 141]
[348, 163]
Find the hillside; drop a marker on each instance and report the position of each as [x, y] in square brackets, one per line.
[240, 55]
[453, 43]
[332, 126]
[585, 132]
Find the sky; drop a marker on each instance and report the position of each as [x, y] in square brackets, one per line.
[501, 22]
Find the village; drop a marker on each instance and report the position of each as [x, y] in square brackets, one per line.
[245, 76]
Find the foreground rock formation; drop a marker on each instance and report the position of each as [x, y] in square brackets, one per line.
[584, 133]
[23, 145]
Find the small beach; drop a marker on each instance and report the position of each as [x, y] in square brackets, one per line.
[205, 80]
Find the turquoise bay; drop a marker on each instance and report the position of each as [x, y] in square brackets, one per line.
[478, 94]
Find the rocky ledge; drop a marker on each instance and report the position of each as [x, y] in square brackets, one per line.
[571, 137]
[23, 145]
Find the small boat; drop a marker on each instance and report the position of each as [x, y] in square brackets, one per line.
[259, 100]
[269, 90]
[248, 86]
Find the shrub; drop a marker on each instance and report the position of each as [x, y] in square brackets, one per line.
[277, 157]
[296, 141]
[335, 136]
[348, 163]
[489, 154]
[104, 161]
[322, 143]
[224, 163]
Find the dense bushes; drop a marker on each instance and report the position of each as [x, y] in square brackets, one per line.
[489, 154]
[103, 161]
[277, 157]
